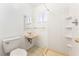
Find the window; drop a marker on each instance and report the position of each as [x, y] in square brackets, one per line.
[42, 17]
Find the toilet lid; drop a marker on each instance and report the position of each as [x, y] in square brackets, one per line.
[18, 52]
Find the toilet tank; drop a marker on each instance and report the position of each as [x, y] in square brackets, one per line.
[10, 44]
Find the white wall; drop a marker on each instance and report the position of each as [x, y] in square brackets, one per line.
[24, 10]
[57, 31]
[12, 21]
[40, 29]
[53, 36]
[56, 27]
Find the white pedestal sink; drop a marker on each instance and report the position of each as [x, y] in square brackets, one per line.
[30, 36]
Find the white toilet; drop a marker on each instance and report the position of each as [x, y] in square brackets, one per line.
[11, 47]
[18, 52]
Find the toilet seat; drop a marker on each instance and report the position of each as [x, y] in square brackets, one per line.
[18, 52]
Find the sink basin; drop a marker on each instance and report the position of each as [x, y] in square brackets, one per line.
[30, 35]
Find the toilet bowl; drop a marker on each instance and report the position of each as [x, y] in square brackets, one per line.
[18, 52]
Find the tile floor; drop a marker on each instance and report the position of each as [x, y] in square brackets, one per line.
[36, 51]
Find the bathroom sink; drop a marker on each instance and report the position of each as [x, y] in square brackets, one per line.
[30, 35]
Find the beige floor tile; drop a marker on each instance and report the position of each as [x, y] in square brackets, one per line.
[36, 51]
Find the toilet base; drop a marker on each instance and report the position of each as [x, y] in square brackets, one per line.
[18, 52]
